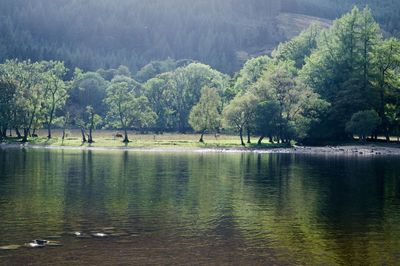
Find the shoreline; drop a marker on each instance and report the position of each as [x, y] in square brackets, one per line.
[345, 149]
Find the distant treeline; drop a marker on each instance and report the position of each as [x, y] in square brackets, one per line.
[90, 34]
[325, 84]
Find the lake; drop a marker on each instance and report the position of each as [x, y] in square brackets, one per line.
[199, 208]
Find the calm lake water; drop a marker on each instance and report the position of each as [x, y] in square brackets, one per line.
[193, 208]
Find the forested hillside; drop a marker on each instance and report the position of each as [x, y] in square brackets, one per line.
[328, 83]
[93, 34]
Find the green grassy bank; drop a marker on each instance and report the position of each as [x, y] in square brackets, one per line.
[107, 138]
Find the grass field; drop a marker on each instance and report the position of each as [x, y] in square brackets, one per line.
[106, 138]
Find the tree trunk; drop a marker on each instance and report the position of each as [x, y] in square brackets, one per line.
[260, 140]
[83, 135]
[4, 132]
[241, 137]
[201, 137]
[18, 133]
[383, 116]
[53, 108]
[126, 139]
[387, 134]
[31, 122]
[248, 136]
[25, 138]
[181, 126]
[90, 138]
[363, 138]
[64, 128]
[271, 140]
[49, 131]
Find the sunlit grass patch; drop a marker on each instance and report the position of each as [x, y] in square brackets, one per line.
[106, 138]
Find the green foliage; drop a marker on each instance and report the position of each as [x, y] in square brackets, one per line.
[289, 105]
[341, 67]
[155, 68]
[266, 119]
[298, 48]
[363, 123]
[7, 111]
[250, 73]
[109, 74]
[385, 83]
[56, 91]
[184, 87]
[94, 119]
[29, 93]
[240, 112]
[309, 89]
[205, 115]
[354, 69]
[155, 90]
[88, 89]
[126, 108]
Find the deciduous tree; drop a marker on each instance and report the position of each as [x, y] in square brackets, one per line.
[205, 115]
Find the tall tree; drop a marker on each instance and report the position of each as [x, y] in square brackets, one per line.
[7, 91]
[28, 79]
[339, 68]
[126, 109]
[93, 120]
[240, 112]
[385, 82]
[155, 90]
[295, 104]
[266, 120]
[87, 94]
[205, 115]
[184, 87]
[55, 91]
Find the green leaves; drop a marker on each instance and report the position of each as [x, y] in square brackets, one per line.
[205, 115]
[182, 89]
[363, 123]
[240, 111]
[298, 48]
[348, 68]
[286, 106]
[250, 73]
[126, 107]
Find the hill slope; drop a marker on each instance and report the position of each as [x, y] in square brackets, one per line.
[106, 33]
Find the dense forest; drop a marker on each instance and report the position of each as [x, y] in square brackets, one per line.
[92, 34]
[324, 84]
